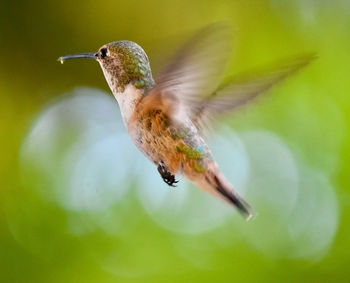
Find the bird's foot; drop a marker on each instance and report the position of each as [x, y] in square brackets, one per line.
[168, 178]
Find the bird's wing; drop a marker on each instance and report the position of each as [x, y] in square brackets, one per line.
[195, 71]
[189, 83]
[241, 89]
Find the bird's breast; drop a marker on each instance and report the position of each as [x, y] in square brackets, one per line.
[128, 100]
[176, 145]
[154, 139]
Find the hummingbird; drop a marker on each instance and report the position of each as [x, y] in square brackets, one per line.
[166, 118]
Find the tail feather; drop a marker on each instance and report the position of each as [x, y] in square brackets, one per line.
[229, 194]
[215, 183]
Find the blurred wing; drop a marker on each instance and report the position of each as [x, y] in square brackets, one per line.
[242, 89]
[189, 83]
[196, 69]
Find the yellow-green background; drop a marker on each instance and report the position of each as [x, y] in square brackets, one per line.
[310, 113]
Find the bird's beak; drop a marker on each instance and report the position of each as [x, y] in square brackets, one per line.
[83, 55]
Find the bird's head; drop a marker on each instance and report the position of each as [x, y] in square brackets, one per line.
[123, 63]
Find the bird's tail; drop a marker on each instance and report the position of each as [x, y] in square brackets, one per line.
[226, 191]
[216, 184]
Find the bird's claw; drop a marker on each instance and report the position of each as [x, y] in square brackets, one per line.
[168, 178]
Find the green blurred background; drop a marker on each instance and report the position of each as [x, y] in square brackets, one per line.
[79, 204]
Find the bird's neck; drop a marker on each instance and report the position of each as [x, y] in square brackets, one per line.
[127, 100]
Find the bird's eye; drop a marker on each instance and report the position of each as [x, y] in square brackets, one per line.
[103, 53]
